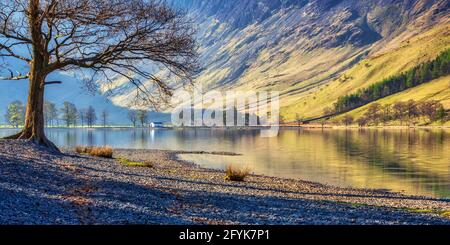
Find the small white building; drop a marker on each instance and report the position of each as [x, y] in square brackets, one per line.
[157, 125]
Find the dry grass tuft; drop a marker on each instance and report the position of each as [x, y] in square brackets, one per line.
[83, 149]
[233, 174]
[104, 151]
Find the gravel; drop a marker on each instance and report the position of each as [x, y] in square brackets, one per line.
[39, 187]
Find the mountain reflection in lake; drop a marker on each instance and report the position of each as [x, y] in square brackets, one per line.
[413, 161]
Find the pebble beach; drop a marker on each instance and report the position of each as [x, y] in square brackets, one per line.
[40, 187]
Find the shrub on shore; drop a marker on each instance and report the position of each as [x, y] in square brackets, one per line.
[104, 151]
[233, 174]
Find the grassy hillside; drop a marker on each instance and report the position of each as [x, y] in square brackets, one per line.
[438, 90]
[375, 68]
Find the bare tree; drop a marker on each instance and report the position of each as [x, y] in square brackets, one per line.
[91, 117]
[132, 116]
[429, 109]
[82, 116]
[347, 120]
[406, 111]
[102, 37]
[142, 116]
[362, 121]
[50, 113]
[69, 114]
[412, 112]
[373, 113]
[105, 116]
[399, 111]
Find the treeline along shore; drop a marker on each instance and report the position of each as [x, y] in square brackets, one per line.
[68, 115]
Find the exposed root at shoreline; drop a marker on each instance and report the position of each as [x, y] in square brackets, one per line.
[13, 137]
[41, 141]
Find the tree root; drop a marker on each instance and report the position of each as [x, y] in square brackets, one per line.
[45, 143]
[13, 137]
[41, 141]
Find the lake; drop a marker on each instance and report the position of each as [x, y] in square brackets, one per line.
[410, 161]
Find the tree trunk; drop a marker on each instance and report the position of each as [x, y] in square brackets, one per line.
[34, 120]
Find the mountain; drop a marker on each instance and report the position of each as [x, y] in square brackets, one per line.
[312, 51]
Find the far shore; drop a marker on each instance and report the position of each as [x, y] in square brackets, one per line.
[70, 188]
[304, 126]
[315, 126]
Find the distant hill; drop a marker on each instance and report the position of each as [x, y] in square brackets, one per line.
[73, 90]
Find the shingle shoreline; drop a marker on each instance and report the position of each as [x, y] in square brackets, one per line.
[38, 187]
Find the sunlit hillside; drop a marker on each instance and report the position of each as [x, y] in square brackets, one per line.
[438, 90]
[311, 51]
[375, 68]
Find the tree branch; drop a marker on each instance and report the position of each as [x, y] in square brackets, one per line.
[11, 53]
[118, 37]
[52, 82]
[15, 78]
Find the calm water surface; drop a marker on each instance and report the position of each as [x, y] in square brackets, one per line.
[410, 161]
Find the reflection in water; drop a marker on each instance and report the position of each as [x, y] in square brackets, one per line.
[413, 161]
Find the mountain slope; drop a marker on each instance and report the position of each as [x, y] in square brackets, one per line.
[418, 49]
[312, 51]
[305, 49]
